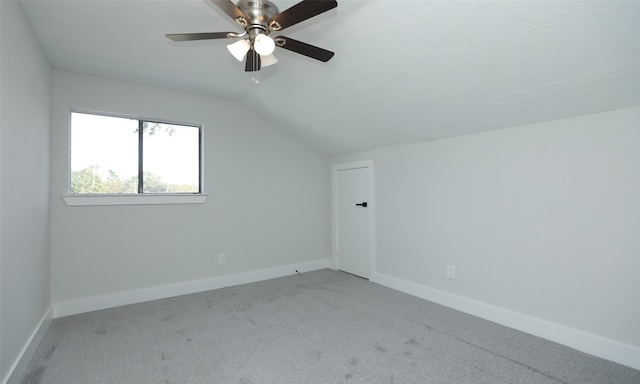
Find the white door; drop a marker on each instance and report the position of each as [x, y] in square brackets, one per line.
[352, 221]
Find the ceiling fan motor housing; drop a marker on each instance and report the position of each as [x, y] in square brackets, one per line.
[259, 13]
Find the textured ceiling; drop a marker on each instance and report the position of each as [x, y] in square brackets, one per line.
[403, 71]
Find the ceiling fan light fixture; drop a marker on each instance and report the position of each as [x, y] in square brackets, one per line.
[264, 44]
[268, 60]
[239, 49]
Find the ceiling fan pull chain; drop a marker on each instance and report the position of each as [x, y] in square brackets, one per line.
[255, 74]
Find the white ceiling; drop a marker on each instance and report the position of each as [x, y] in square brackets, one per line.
[403, 71]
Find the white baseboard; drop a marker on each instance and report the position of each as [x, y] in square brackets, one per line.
[22, 361]
[74, 307]
[582, 341]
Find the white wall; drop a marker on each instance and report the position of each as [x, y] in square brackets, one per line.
[542, 221]
[24, 179]
[268, 203]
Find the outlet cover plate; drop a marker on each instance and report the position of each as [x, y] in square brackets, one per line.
[451, 271]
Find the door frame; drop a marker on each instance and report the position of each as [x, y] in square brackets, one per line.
[372, 212]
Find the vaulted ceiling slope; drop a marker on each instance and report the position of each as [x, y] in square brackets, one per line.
[403, 71]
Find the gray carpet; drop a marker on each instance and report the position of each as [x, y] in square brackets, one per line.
[317, 327]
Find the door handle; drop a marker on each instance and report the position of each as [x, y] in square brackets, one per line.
[364, 205]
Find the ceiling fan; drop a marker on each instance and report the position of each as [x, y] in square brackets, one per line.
[259, 18]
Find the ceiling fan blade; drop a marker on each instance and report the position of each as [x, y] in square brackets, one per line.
[302, 11]
[198, 36]
[253, 61]
[304, 48]
[231, 9]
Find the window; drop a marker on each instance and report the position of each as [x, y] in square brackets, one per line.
[116, 155]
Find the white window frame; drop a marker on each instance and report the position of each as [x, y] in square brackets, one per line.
[74, 200]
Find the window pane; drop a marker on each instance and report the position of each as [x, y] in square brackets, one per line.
[104, 154]
[171, 158]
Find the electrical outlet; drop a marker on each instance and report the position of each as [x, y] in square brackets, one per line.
[222, 258]
[451, 271]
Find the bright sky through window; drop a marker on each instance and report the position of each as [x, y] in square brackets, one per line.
[104, 155]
